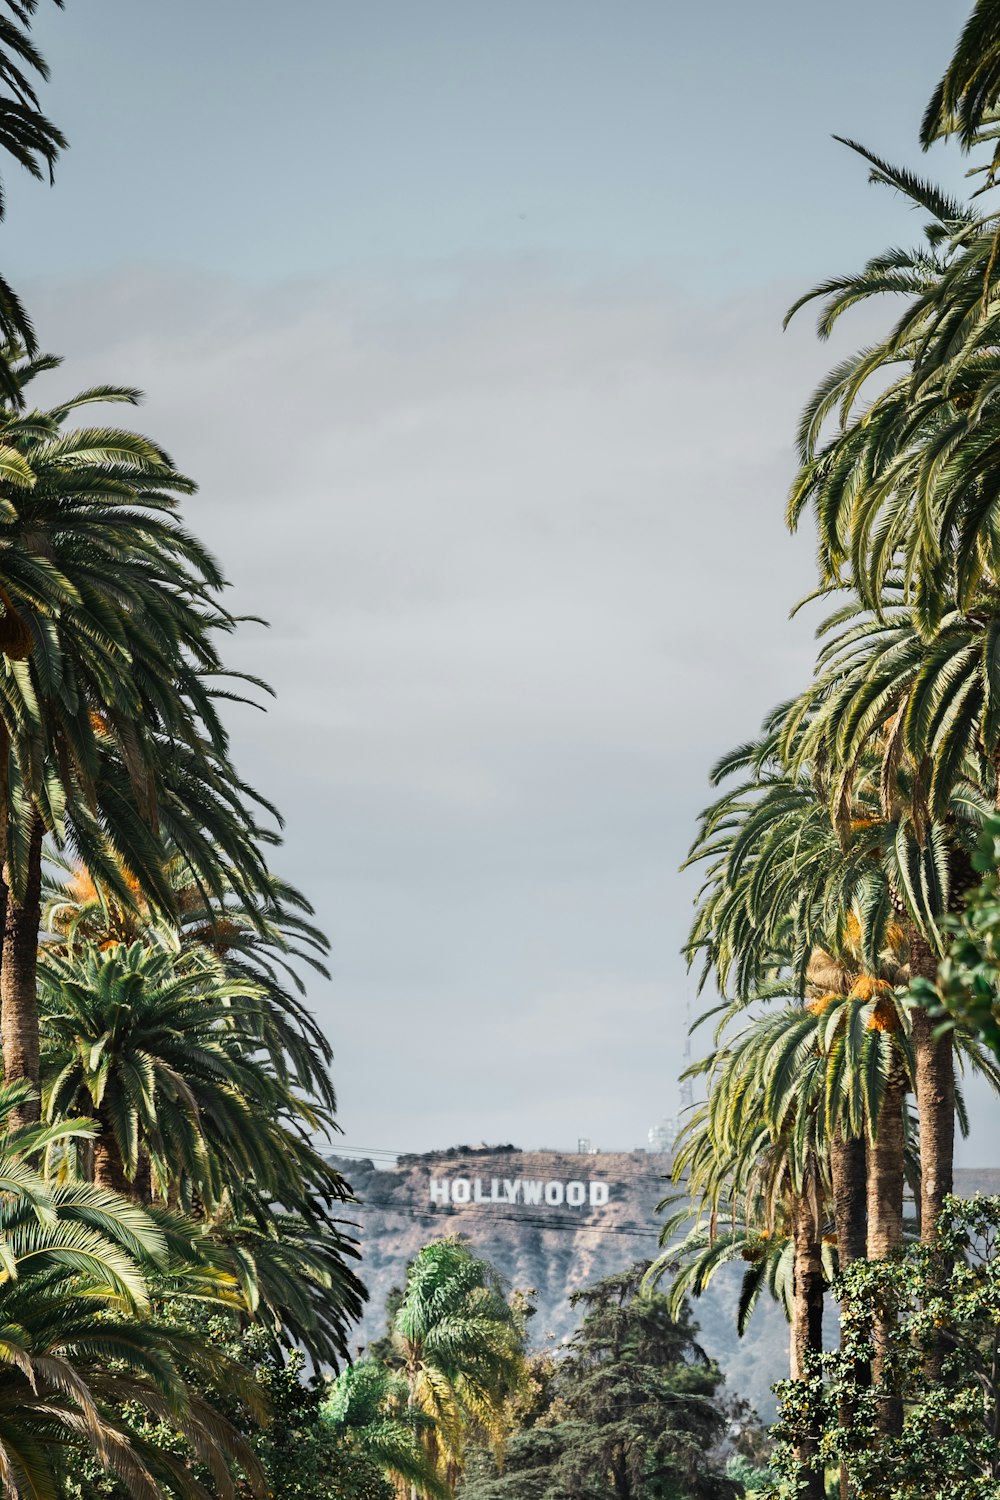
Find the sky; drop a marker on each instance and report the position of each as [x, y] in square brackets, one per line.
[467, 320]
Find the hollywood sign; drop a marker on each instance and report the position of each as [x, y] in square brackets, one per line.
[530, 1192]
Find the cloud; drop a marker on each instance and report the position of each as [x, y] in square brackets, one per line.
[522, 549]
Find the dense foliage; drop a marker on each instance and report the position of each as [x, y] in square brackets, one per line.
[941, 1308]
[840, 915]
[264, 1395]
[632, 1409]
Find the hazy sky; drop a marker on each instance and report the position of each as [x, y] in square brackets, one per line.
[466, 318]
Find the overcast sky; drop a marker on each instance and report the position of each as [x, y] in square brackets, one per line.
[466, 318]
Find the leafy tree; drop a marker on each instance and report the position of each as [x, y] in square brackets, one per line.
[278, 1411]
[304, 1455]
[932, 1297]
[632, 1410]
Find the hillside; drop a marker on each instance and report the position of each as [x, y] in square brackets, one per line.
[554, 1248]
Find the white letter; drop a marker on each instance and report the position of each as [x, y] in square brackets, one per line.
[511, 1190]
[553, 1193]
[599, 1194]
[531, 1191]
[460, 1190]
[575, 1194]
[477, 1192]
[439, 1191]
[494, 1191]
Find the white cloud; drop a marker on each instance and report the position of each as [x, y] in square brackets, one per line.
[522, 550]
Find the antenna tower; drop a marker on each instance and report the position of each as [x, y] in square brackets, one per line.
[686, 1088]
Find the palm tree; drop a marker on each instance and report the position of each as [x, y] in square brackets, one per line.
[31, 140]
[368, 1407]
[146, 1042]
[763, 1161]
[792, 905]
[108, 729]
[460, 1347]
[911, 719]
[969, 92]
[745, 1166]
[785, 1094]
[903, 479]
[75, 1353]
[782, 882]
[294, 1268]
[263, 947]
[76, 1342]
[170, 1055]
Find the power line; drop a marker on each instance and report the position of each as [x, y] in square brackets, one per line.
[536, 1221]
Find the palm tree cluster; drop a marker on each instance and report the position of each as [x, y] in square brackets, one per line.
[840, 843]
[163, 1079]
[442, 1379]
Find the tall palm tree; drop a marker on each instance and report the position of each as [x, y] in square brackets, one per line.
[745, 1166]
[903, 477]
[460, 1347]
[792, 904]
[914, 720]
[109, 734]
[790, 1086]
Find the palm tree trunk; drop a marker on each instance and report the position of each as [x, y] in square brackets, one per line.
[808, 1286]
[885, 1215]
[934, 1084]
[807, 1327]
[885, 1171]
[109, 1169]
[849, 1172]
[142, 1188]
[18, 988]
